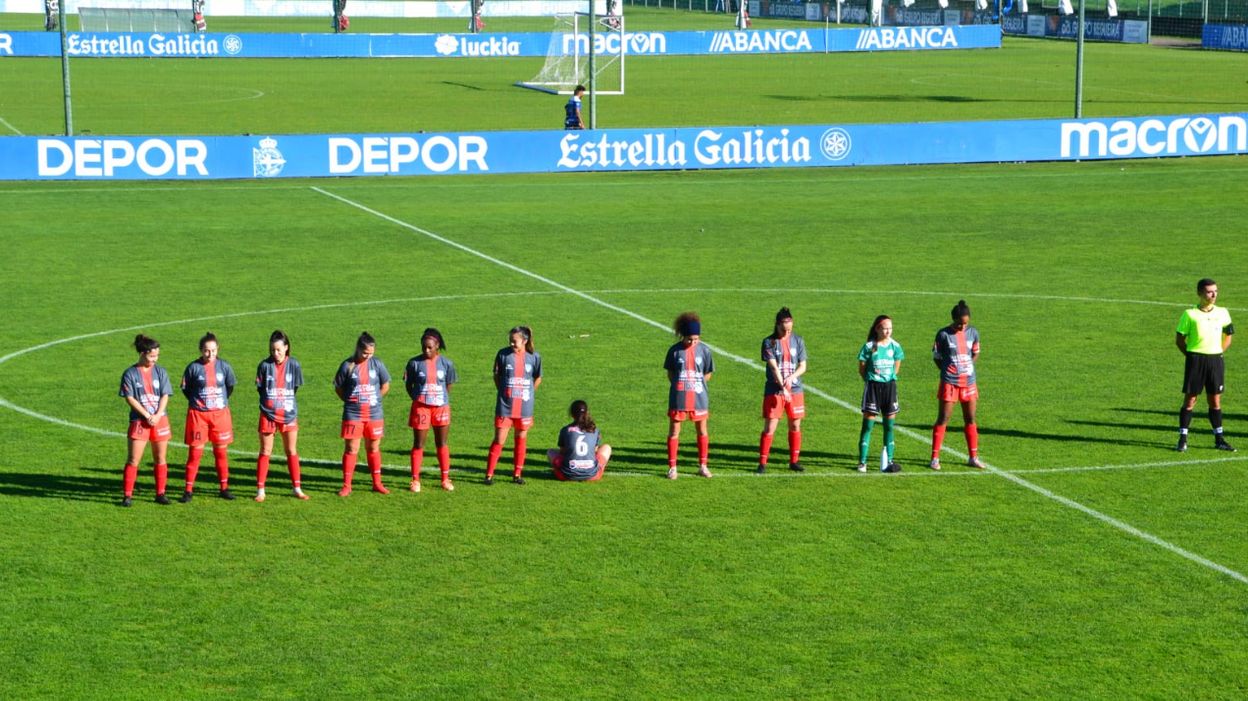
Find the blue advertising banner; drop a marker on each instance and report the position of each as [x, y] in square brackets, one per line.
[1226, 37]
[149, 45]
[337, 155]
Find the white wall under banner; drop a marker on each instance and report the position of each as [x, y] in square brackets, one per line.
[324, 8]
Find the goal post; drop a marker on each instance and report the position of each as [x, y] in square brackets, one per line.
[569, 54]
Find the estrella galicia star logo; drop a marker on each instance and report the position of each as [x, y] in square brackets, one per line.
[232, 44]
[835, 144]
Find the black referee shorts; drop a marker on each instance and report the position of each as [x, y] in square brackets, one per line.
[1203, 373]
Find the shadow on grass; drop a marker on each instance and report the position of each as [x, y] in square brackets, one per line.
[74, 487]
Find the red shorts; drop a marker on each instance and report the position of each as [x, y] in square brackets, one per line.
[371, 430]
[953, 393]
[521, 424]
[215, 427]
[557, 461]
[269, 427]
[140, 431]
[423, 416]
[775, 406]
[679, 416]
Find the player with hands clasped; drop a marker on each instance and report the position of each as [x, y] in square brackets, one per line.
[784, 352]
[879, 362]
[428, 378]
[278, 377]
[1203, 335]
[689, 366]
[517, 375]
[207, 384]
[146, 388]
[361, 383]
[955, 351]
[581, 456]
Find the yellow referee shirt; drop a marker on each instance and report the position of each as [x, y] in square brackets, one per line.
[1203, 329]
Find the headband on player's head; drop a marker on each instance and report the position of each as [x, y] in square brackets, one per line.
[692, 327]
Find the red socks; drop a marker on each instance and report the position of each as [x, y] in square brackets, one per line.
[221, 457]
[130, 475]
[938, 438]
[795, 446]
[704, 443]
[418, 457]
[972, 439]
[162, 478]
[348, 469]
[374, 466]
[262, 470]
[444, 461]
[673, 444]
[193, 456]
[764, 446]
[522, 449]
[292, 462]
[496, 450]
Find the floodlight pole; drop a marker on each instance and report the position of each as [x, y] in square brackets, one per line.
[1079, 64]
[69, 105]
[593, 75]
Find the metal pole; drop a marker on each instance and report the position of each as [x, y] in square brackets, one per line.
[1079, 64]
[593, 75]
[69, 103]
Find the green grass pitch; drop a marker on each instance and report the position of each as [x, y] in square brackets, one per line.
[825, 585]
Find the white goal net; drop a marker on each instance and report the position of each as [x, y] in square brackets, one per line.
[570, 53]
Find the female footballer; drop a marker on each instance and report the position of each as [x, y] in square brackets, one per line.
[146, 388]
[955, 351]
[428, 378]
[517, 375]
[879, 361]
[361, 382]
[784, 352]
[278, 377]
[207, 384]
[689, 367]
[581, 456]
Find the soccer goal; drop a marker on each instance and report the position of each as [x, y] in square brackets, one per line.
[570, 52]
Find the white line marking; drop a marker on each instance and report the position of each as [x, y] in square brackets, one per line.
[12, 128]
[1104, 518]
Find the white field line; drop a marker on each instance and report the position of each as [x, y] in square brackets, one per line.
[11, 128]
[1104, 518]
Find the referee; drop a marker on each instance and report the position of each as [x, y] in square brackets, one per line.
[1203, 334]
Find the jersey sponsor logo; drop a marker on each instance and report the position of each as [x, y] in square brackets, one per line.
[835, 144]
[102, 158]
[887, 38]
[462, 153]
[267, 161]
[1154, 137]
[613, 44]
[760, 41]
[450, 45]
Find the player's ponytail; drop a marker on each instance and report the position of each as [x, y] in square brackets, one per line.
[144, 344]
[526, 333]
[434, 334]
[873, 335]
[581, 416]
[960, 310]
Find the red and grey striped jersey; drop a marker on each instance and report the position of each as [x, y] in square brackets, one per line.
[429, 381]
[277, 385]
[689, 368]
[147, 385]
[361, 383]
[788, 352]
[517, 372]
[208, 385]
[954, 353]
